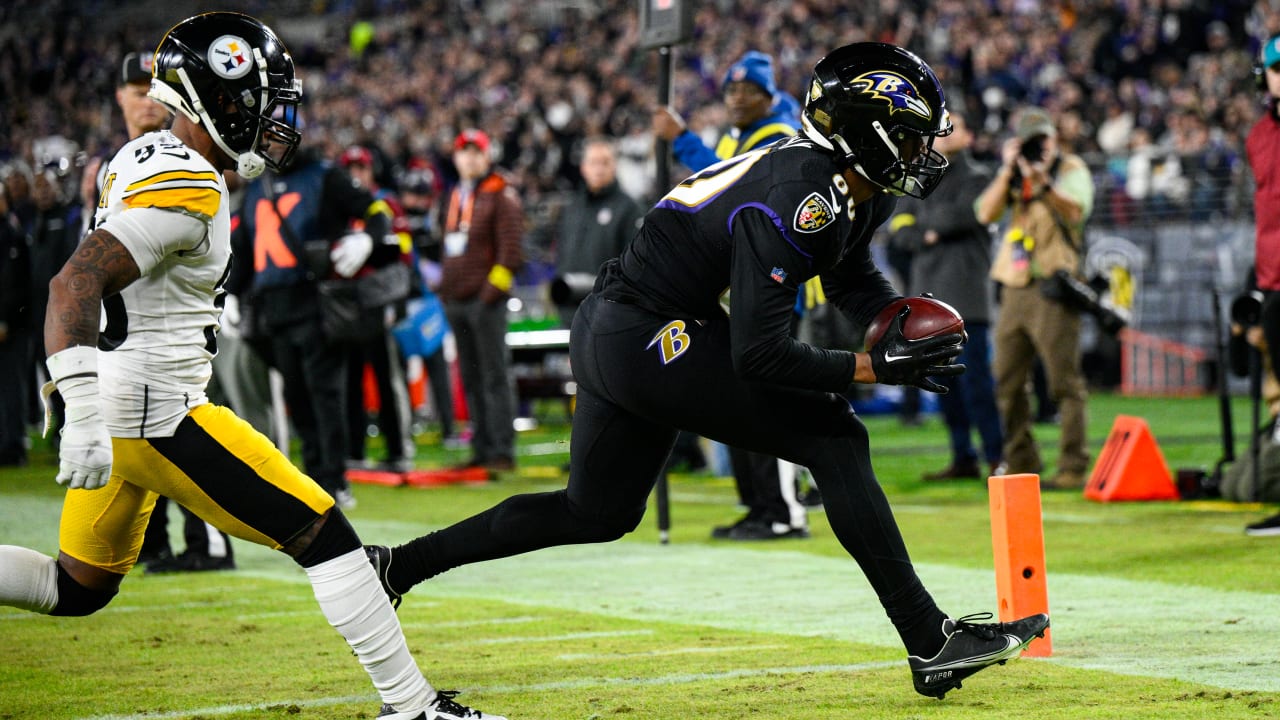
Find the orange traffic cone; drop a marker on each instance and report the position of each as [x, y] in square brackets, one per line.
[1131, 466]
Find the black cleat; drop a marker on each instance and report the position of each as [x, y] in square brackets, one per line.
[380, 558]
[970, 647]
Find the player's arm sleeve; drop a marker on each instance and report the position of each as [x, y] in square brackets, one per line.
[356, 203]
[692, 153]
[765, 275]
[150, 234]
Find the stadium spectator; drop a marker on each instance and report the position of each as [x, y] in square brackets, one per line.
[482, 227]
[16, 338]
[380, 351]
[951, 257]
[1047, 196]
[755, 117]
[295, 225]
[1263, 151]
[597, 222]
[419, 189]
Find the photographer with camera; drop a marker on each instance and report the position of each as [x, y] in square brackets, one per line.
[1047, 195]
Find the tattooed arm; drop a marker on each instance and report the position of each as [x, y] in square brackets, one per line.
[100, 267]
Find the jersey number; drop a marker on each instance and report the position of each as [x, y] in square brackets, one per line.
[714, 180]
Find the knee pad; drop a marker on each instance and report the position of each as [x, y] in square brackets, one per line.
[76, 600]
[336, 537]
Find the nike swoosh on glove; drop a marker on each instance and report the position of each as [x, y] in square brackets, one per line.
[895, 360]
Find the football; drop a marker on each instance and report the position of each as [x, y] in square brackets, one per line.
[928, 317]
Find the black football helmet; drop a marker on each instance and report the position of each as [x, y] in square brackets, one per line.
[878, 108]
[231, 74]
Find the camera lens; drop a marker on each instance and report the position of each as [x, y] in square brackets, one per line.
[1033, 148]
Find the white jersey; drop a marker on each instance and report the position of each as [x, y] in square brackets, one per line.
[168, 206]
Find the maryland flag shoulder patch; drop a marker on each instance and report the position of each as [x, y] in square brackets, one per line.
[813, 214]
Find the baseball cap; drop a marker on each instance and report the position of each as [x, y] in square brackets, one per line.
[1034, 121]
[1271, 51]
[136, 68]
[472, 136]
[753, 67]
[356, 155]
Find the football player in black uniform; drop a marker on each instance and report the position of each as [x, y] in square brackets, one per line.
[653, 352]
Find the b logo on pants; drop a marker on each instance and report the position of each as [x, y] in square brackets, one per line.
[671, 340]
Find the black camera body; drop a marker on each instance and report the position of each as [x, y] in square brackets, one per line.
[1032, 149]
[1065, 288]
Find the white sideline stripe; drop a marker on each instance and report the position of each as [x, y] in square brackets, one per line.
[547, 448]
[471, 623]
[538, 687]
[547, 638]
[670, 651]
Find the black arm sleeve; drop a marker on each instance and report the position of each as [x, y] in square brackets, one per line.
[760, 311]
[241, 277]
[345, 200]
[857, 286]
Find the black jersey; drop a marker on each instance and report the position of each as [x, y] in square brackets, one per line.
[760, 224]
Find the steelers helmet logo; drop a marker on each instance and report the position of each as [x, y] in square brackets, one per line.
[230, 57]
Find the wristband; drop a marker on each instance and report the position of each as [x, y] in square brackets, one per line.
[501, 278]
[74, 363]
[73, 373]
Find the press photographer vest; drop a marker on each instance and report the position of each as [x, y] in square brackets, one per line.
[1037, 242]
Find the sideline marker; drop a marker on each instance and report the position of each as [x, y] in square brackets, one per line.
[1130, 466]
[1017, 542]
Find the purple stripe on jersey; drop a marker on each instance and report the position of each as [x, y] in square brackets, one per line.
[777, 221]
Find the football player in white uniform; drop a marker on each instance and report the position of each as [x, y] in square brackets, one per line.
[137, 419]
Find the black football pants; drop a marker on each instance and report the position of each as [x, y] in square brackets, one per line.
[630, 406]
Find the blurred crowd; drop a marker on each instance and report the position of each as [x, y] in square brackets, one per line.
[1156, 94]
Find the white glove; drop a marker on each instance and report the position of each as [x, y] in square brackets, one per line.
[231, 310]
[349, 254]
[84, 458]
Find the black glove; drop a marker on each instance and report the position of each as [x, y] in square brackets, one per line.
[899, 361]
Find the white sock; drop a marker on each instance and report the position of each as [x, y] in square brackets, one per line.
[28, 579]
[355, 605]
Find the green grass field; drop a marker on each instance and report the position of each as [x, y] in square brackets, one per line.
[1160, 610]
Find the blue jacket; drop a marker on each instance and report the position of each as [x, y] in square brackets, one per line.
[690, 151]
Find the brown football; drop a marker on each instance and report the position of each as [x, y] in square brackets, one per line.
[928, 317]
